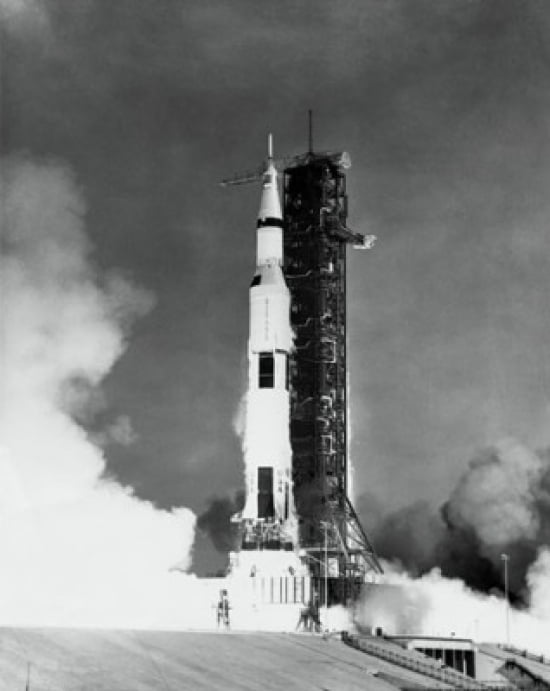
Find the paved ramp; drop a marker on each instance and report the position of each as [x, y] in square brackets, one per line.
[77, 660]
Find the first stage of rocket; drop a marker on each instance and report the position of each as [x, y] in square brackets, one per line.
[268, 515]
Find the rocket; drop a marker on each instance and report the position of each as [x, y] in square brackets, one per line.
[268, 514]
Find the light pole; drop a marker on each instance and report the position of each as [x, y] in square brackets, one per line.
[326, 569]
[505, 558]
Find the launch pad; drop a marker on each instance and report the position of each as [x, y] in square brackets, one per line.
[298, 520]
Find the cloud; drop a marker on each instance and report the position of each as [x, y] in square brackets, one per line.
[411, 534]
[435, 605]
[120, 431]
[24, 16]
[500, 503]
[215, 521]
[78, 549]
[538, 580]
[495, 496]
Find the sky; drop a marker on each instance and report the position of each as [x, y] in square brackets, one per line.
[443, 106]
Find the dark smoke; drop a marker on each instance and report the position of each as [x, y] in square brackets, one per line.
[411, 534]
[501, 504]
[216, 521]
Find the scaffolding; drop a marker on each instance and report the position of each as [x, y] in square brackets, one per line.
[315, 243]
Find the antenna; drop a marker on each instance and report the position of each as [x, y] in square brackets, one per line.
[337, 158]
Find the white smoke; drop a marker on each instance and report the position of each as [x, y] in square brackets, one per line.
[538, 581]
[436, 606]
[499, 499]
[76, 549]
[496, 496]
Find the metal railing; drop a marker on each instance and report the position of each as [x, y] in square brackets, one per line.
[425, 667]
[522, 652]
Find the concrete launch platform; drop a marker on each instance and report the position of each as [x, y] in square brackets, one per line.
[80, 660]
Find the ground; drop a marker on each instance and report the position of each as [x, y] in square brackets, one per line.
[78, 660]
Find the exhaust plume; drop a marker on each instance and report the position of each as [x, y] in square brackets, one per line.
[499, 504]
[496, 497]
[77, 549]
[433, 605]
[216, 521]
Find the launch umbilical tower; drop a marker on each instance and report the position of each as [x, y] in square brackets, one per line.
[315, 243]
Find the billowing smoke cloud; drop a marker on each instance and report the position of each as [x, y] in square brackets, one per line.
[538, 581]
[499, 505]
[435, 605]
[77, 548]
[496, 496]
[216, 521]
[411, 535]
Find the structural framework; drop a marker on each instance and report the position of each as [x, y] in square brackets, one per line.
[332, 541]
[315, 243]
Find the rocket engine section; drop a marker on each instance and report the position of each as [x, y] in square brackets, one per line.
[268, 516]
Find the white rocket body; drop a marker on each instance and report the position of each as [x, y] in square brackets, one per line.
[267, 450]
